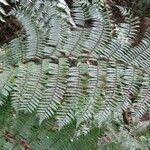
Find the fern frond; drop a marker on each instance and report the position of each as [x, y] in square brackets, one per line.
[73, 43]
[73, 93]
[140, 128]
[68, 77]
[54, 89]
[119, 46]
[35, 37]
[27, 88]
[100, 33]
[139, 55]
[14, 52]
[6, 77]
[91, 93]
[142, 103]
[24, 128]
[58, 28]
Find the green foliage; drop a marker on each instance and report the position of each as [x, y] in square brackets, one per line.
[144, 6]
[23, 129]
[76, 79]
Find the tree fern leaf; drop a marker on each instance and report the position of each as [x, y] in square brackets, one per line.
[143, 101]
[66, 111]
[81, 142]
[82, 104]
[55, 89]
[140, 127]
[73, 78]
[28, 87]
[119, 45]
[91, 102]
[5, 82]
[77, 37]
[100, 30]
[58, 29]
[79, 12]
[14, 52]
[111, 96]
[129, 87]
[137, 54]
[35, 37]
